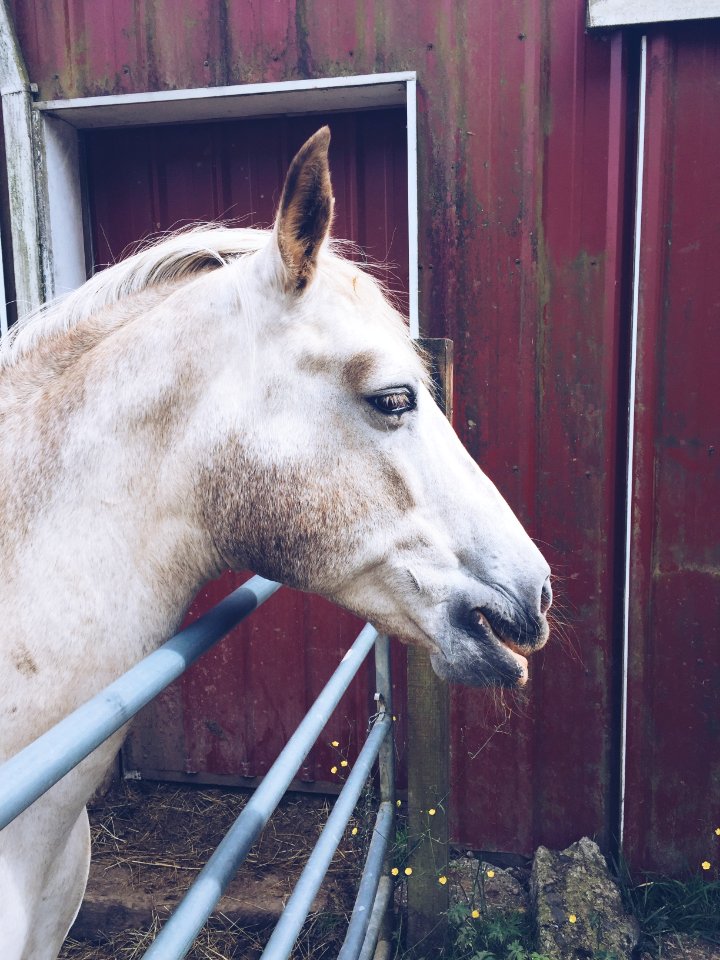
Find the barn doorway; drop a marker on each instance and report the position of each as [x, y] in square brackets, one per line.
[227, 719]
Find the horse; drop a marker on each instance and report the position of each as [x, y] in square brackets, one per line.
[226, 398]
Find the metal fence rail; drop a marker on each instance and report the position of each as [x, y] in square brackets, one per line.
[298, 906]
[39, 766]
[32, 772]
[369, 883]
[176, 937]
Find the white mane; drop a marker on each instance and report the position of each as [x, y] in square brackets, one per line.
[178, 257]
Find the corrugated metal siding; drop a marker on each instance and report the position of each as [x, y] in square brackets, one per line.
[673, 785]
[536, 342]
[151, 179]
[523, 168]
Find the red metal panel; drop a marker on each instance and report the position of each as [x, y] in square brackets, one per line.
[523, 281]
[673, 775]
[238, 707]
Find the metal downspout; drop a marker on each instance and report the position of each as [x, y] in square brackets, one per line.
[627, 584]
[17, 111]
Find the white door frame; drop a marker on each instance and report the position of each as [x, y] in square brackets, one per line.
[62, 120]
[619, 13]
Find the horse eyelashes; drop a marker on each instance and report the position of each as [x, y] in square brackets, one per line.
[394, 403]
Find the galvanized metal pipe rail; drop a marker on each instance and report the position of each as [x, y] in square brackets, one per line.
[288, 927]
[32, 772]
[380, 926]
[375, 946]
[39, 766]
[176, 937]
[369, 882]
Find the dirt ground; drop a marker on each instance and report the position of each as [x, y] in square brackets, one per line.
[149, 843]
[683, 947]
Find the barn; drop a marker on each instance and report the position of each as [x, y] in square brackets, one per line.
[539, 181]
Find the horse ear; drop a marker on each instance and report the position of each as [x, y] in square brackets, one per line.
[305, 212]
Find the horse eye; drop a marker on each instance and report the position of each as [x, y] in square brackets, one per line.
[398, 401]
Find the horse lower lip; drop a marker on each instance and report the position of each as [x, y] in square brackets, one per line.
[520, 660]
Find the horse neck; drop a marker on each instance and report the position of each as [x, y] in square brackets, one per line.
[101, 534]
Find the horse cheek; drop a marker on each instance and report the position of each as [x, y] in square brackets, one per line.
[288, 521]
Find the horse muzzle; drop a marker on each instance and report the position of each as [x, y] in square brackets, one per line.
[488, 639]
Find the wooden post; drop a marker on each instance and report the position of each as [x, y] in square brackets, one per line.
[428, 725]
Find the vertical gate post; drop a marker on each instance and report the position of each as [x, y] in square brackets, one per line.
[428, 725]
[386, 767]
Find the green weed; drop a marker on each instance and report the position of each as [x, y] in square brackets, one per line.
[506, 936]
[678, 906]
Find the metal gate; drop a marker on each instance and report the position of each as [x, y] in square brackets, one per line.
[34, 770]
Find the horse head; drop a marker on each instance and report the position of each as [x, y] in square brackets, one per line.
[341, 476]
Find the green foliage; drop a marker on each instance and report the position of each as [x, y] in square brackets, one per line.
[665, 906]
[516, 951]
[477, 933]
[500, 936]
[401, 848]
[690, 906]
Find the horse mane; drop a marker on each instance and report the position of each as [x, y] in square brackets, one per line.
[173, 259]
[181, 256]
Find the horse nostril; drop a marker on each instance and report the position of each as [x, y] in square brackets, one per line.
[546, 596]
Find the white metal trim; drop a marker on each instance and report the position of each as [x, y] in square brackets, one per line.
[412, 204]
[637, 245]
[74, 113]
[252, 99]
[617, 13]
[64, 205]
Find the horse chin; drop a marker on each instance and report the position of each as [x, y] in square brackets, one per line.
[489, 662]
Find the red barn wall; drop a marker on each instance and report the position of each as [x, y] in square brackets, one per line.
[673, 761]
[526, 176]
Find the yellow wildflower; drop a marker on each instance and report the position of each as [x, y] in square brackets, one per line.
[475, 914]
[408, 871]
[442, 880]
[394, 871]
[343, 763]
[432, 811]
[572, 918]
[717, 831]
[398, 803]
[490, 874]
[354, 831]
[335, 743]
[333, 769]
[706, 864]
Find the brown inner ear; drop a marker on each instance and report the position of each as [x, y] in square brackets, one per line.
[305, 210]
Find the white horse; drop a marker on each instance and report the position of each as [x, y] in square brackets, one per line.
[226, 399]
